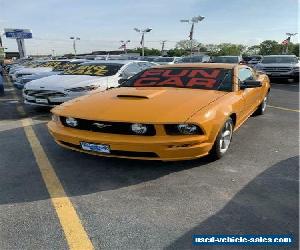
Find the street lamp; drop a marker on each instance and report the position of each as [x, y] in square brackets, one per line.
[74, 43]
[143, 37]
[163, 42]
[194, 20]
[288, 40]
[124, 45]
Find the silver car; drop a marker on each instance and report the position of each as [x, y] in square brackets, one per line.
[280, 66]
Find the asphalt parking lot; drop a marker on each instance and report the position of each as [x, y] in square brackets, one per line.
[127, 204]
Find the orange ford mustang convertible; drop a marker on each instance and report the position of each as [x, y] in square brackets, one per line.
[172, 112]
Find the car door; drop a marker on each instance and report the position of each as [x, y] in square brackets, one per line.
[250, 95]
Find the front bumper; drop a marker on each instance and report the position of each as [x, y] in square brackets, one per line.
[52, 101]
[291, 74]
[159, 147]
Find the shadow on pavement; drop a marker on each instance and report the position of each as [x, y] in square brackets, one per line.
[269, 204]
[79, 173]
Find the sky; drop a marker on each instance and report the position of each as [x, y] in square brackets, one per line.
[101, 24]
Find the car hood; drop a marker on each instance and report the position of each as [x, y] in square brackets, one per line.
[61, 82]
[145, 105]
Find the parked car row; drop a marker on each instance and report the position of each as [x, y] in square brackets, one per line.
[80, 80]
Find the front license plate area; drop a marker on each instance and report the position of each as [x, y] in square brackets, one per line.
[99, 148]
[41, 100]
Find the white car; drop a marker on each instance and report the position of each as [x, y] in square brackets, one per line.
[80, 80]
[46, 66]
[166, 60]
[56, 70]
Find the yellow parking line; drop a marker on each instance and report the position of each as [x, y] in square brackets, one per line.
[286, 109]
[75, 233]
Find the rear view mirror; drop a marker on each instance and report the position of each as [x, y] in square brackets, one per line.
[250, 84]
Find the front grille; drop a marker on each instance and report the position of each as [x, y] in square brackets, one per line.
[123, 128]
[44, 93]
[50, 103]
[117, 152]
[277, 69]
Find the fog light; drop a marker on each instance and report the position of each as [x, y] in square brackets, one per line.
[72, 122]
[139, 128]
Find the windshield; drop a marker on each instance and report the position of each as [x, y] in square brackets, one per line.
[193, 78]
[103, 69]
[279, 59]
[225, 59]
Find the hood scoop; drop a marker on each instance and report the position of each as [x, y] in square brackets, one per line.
[132, 96]
[141, 94]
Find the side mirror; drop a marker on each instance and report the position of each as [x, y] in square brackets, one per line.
[250, 84]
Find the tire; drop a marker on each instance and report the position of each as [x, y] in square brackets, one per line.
[262, 107]
[223, 140]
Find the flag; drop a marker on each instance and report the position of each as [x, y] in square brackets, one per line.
[191, 32]
[142, 40]
[286, 41]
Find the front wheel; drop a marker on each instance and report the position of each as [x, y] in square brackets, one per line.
[223, 140]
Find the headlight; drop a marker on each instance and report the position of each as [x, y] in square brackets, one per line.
[72, 122]
[81, 89]
[139, 128]
[187, 129]
[296, 68]
[183, 129]
[55, 118]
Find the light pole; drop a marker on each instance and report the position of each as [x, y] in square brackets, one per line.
[288, 40]
[124, 45]
[163, 46]
[143, 37]
[74, 43]
[194, 20]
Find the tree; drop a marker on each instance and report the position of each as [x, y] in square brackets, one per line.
[229, 49]
[148, 52]
[253, 50]
[177, 52]
[270, 47]
[294, 49]
[186, 44]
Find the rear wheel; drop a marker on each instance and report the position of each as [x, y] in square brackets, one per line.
[262, 107]
[223, 140]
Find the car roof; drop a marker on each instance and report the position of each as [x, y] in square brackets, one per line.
[199, 65]
[280, 56]
[227, 56]
[113, 61]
